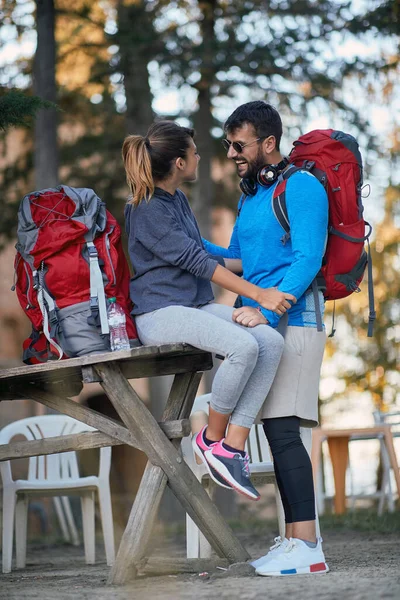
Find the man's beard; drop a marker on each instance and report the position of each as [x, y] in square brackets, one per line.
[255, 165]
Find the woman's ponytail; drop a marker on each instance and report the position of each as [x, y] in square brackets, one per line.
[137, 162]
[149, 160]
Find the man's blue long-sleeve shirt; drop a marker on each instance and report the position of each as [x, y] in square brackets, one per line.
[267, 262]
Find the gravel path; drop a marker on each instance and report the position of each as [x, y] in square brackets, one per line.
[363, 566]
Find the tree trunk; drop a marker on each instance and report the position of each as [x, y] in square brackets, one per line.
[203, 121]
[136, 37]
[203, 196]
[44, 84]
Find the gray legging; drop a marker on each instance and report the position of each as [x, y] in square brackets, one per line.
[252, 355]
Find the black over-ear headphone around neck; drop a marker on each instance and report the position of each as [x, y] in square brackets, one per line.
[266, 176]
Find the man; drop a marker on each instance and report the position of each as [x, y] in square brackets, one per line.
[269, 258]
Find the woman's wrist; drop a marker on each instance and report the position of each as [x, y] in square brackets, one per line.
[257, 294]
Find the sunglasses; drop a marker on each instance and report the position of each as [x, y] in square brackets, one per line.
[238, 146]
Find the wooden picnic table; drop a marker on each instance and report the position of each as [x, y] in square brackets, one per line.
[54, 382]
[338, 443]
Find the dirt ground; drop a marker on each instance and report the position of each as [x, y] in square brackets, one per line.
[363, 566]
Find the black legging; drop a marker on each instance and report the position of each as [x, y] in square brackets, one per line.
[292, 468]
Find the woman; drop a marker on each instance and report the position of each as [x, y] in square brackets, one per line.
[173, 298]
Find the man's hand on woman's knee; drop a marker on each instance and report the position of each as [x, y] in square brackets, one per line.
[249, 316]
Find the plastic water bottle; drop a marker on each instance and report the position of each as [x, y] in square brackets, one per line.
[117, 323]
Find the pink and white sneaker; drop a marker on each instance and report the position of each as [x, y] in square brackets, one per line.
[296, 559]
[199, 448]
[233, 468]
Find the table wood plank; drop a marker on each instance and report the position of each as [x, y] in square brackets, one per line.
[155, 366]
[65, 377]
[111, 427]
[93, 359]
[80, 441]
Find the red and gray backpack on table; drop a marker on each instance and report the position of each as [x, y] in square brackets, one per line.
[333, 157]
[69, 260]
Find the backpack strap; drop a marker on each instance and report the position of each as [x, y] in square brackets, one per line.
[318, 315]
[279, 201]
[280, 211]
[98, 306]
[350, 238]
[283, 324]
[279, 196]
[371, 299]
[41, 356]
[48, 309]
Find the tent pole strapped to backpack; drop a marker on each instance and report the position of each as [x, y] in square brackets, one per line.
[97, 295]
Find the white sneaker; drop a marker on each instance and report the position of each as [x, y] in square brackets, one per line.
[297, 558]
[279, 546]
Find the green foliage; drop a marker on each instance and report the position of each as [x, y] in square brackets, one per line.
[18, 109]
[383, 18]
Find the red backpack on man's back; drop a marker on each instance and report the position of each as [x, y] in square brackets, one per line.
[333, 157]
[69, 260]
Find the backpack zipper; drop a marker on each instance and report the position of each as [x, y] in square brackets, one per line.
[107, 244]
[15, 276]
[28, 289]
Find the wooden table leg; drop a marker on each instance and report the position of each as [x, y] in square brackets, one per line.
[135, 542]
[181, 479]
[339, 453]
[316, 449]
[388, 439]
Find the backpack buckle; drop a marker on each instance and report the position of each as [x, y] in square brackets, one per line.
[53, 317]
[93, 254]
[94, 302]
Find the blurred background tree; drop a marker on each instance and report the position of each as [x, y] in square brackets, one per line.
[372, 365]
[113, 55]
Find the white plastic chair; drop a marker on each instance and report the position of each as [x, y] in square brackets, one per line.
[261, 469]
[66, 520]
[391, 418]
[52, 475]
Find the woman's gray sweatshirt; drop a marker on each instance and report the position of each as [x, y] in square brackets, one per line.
[166, 250]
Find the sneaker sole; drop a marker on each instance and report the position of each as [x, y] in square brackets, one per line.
[317, 569]
[200, 454]
[224, 473]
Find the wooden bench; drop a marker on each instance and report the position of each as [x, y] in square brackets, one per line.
[53, 383]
